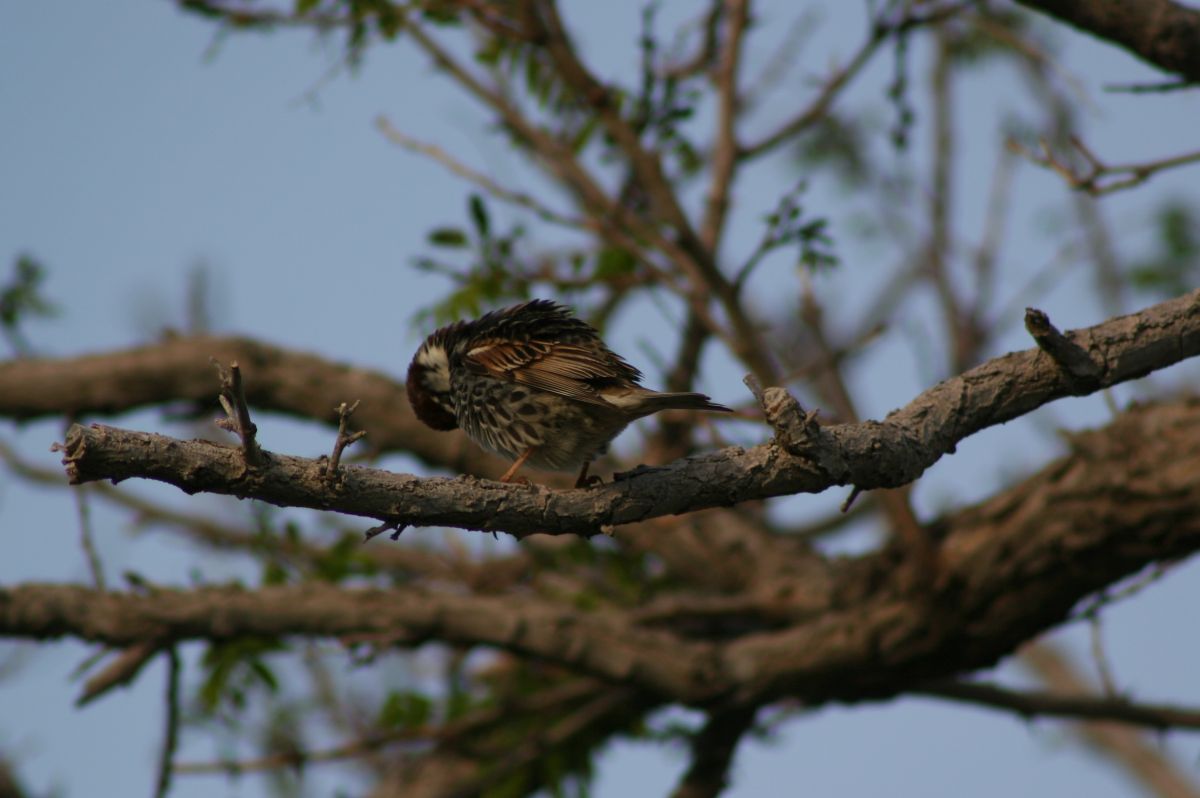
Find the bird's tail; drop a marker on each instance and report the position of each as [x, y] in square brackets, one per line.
[654, 401]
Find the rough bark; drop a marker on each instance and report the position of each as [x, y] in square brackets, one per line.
[805, 459]
[1127, 496]
[180, 370]
[1160, 32]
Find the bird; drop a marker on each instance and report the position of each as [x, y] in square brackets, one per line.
[536, 385]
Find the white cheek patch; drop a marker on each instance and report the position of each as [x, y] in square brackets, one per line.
[437, 376]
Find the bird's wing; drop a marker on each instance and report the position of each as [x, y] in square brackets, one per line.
[566, 369]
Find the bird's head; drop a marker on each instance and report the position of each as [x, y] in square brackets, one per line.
[429, 384]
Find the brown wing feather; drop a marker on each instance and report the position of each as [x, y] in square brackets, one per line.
[565, 369]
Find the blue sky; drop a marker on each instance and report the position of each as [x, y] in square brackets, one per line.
[135, 145]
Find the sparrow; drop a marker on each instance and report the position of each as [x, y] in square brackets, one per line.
[534, 384]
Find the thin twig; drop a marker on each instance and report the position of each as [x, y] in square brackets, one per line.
[171, 731]
[986, 256]
[1142, 759]
[481, 180]
[1161, 87]
[707, 52]
[120, 671]
[617, 224]
[725, 151]
[961, 342]
[87, 540]
[880, 31]
[1098, 178]
[344, 438]
[1100, 657]
[237, 412]
[685, 248]
[1106, 597]
[1032, 703]
[1075, 362]
[778, 64]
[819, 107]
[448, 731]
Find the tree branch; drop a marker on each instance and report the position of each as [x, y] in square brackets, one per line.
[725, 149]
[1035, 703]
[171, 727]
[1095, 177]
[868, 455]
[881, 30]
[844, 630]
[177, 370]
[712, 753]
[599, 643]
[1160, 32]
[1142, 759]
[1012, 566]
[691, 253]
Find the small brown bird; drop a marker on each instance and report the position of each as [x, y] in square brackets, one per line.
[534, 384]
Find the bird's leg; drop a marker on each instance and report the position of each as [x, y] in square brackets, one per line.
[584, 480]
[510, 474]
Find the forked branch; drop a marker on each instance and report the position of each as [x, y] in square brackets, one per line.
[869, 455]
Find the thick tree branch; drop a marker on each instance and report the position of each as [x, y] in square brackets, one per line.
[712, 753]
[1013, 566]
[869, 455]
[277, 379]
[599, 643]
[1160, 32]
[847, 630]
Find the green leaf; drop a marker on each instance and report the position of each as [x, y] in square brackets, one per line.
[581, 137]
[343, 559]
[479, 215]
[22, 294]
[390, 22]
[448, 237]
[614, 262]
[441, 13]
[1173, 267]
[264, 675]
[274, 574]
[405, 709]
[235, 667]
